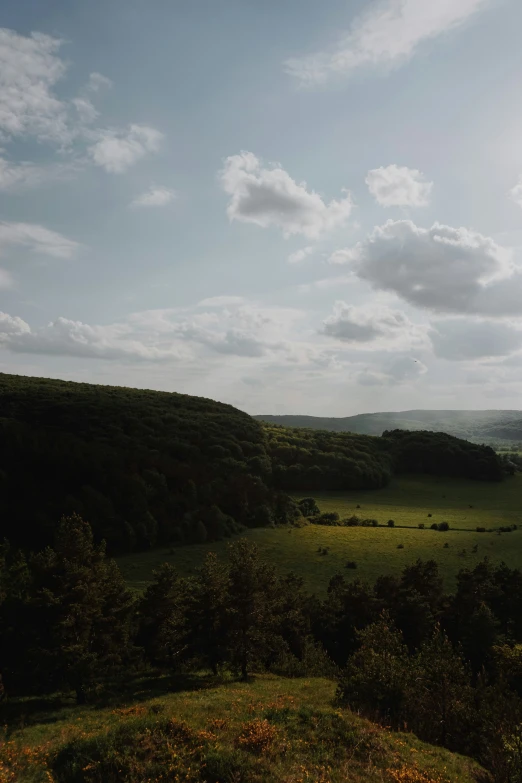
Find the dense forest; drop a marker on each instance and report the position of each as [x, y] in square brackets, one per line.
[447, 667]
[148, 467]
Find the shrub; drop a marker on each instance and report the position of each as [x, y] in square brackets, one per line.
[352, 521]
[434, 526]
[429, 515]
[309, 507]
[391, 523]
[443, 526]
[400, 546]
[421, 525]
[446, 545]
[257, 736]
[357, 506]
[369, 523]
[480, 529]
[350, 564]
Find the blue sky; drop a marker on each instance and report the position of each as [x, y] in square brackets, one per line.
[291, 206]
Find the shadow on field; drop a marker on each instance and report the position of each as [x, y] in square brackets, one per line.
[19, 712]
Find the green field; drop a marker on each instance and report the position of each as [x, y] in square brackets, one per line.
[407, 500]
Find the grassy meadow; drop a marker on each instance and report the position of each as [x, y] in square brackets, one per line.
[265, 730]
[408, 501]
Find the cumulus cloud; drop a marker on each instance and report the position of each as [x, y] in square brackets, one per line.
[116, 151]
[467, 339]
[399, 186]
[516, 192]
[154, 197]
[38, 239]
[442, 268]
[29, 69]
[237, 330]
[404, 369]
[270, 197]
[384, 37]
[373, 324]
[300, 255]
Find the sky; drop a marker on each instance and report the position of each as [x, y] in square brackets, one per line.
[290, 206]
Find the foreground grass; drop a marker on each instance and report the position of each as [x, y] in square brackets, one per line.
[269, 729]
[408, 501]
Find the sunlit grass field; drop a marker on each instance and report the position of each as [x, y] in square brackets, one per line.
[265, 730]
[408, 501]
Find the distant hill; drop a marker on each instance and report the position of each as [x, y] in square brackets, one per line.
[478, 426]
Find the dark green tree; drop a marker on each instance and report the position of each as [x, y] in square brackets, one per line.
[162, 617]
[82, 612]
[208, 613]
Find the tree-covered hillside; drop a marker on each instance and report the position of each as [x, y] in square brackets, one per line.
[478, 426]
[305, 459]
[148, 467]
[143, 467]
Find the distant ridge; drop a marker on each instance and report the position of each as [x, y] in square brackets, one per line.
[478, 426]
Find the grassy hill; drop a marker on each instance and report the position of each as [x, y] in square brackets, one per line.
[478, 426]
[267, 730]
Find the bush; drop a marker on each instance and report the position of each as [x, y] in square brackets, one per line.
[369, 523]
[391, 523]
[443, 526]
[480, 529]
[421, 525]
[446, 545]
[350, 564]
[352, 521]
[400, 546]
[429, 515]
[434, 526]
[309, 507]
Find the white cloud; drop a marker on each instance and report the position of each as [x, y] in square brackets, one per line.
[29, 69]
[19, 175]
[467, 339]
[379, 325]
[516, 192]
[444, 269]
[97, 81]
[345, 255]
[300, 255]
[116, 151]
[385, 37]
[398, 186]
[404, 369]
[38, 239]
[154, 197]
[240, 331]
[86, 111]
[270, 197]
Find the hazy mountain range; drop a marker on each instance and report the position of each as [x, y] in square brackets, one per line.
[479, 426]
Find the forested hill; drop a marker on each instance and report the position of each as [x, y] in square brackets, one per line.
[478, 426]
[147, 467]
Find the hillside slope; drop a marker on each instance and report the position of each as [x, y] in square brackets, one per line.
[265, 731]
[479, 426]
[142, 466]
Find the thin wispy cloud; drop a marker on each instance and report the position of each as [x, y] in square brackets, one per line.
[154, 197]
[385, 37]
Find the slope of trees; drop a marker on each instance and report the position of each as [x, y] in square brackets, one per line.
[144, 467]
[147, 467]
[305, 459]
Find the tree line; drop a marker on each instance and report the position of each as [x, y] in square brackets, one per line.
[404, 652]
